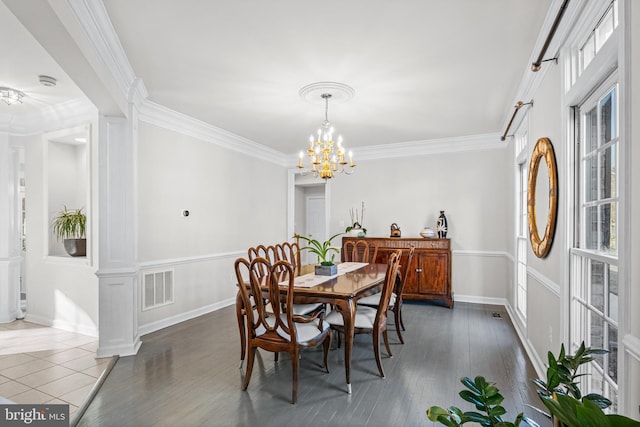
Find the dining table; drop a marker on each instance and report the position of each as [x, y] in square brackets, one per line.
[342, 291]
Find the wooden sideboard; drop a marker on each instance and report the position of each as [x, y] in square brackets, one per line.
[429, 275]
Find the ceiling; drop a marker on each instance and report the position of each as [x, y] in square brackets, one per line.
[421, 69]
[23, 60]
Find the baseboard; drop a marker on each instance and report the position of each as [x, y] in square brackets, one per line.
[174, 320]
[91, 331]
[538, 364]
[474, 299]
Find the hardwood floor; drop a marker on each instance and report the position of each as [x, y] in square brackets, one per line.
[187, 375]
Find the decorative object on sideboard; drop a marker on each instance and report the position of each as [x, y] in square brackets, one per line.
[70, 225]
[326, 156]
[356, 229]
[326, 266]
[428, 233]
[395, 230]
[442, 226]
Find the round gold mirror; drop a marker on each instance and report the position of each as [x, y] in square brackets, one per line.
[537, 202]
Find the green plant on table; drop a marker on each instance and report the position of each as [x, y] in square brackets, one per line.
[321, 249]
[69, 224]
[560, 394]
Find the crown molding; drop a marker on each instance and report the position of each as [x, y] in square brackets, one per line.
[426, 147]
[59, 116]
[94, 20]
[158, 115]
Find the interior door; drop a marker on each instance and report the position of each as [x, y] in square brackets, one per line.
[315, 225]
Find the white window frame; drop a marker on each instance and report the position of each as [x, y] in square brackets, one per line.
[578, 84]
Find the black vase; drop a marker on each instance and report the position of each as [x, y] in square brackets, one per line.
[442, 226]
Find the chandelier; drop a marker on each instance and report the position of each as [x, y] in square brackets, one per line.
[327, 157]
[11, 96]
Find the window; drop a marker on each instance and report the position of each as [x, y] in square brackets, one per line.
[522, 242]
[600, 34]
[594, 257]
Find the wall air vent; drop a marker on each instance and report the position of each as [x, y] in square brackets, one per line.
[157, 289]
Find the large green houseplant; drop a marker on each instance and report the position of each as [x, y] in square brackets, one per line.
[69, 225]
[322, 250]
[559, 393]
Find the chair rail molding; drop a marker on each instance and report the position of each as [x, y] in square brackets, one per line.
[544, 280]
[190, 260]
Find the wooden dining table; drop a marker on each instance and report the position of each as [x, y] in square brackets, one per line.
[342, 292]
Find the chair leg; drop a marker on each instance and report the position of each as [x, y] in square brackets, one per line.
[275, 356]
[401, 321]
[243, 330]
[396, 315]
[376, 352]
[295, 365]
[247, 374]
[386, 342]
[326, 344]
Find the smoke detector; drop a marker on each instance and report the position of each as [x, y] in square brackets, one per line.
[47, 80]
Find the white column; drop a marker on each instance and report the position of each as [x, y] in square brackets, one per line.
[10, 257]
[117, 236]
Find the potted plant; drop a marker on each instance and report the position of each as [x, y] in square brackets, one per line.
[560, 394]
[356, 228]
[70, 226]
[322, 250]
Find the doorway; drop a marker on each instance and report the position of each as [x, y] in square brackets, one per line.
[316, 222]
[308, 212]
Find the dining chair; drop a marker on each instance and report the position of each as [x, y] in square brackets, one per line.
[395, 304]
[270, 253]
[370, 320]
[261, 251]
[278, 331]
[290, 252]
[360, 251]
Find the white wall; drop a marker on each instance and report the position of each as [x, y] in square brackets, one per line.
[545, 275]
[235, 202]
[472, 187]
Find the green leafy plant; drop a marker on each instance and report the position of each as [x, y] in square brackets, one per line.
[560, 394]
[563, 374]
[69, 224]
[322, 250]
[486, 397]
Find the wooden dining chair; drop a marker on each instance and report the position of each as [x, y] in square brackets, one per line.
[395, 304]
[360, 251]
[261, 251]
[278, 331]
[370, 320]
[290, 252]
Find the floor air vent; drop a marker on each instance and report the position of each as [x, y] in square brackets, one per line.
[157, 289]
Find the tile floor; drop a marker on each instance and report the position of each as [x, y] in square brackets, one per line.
[39, 364]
